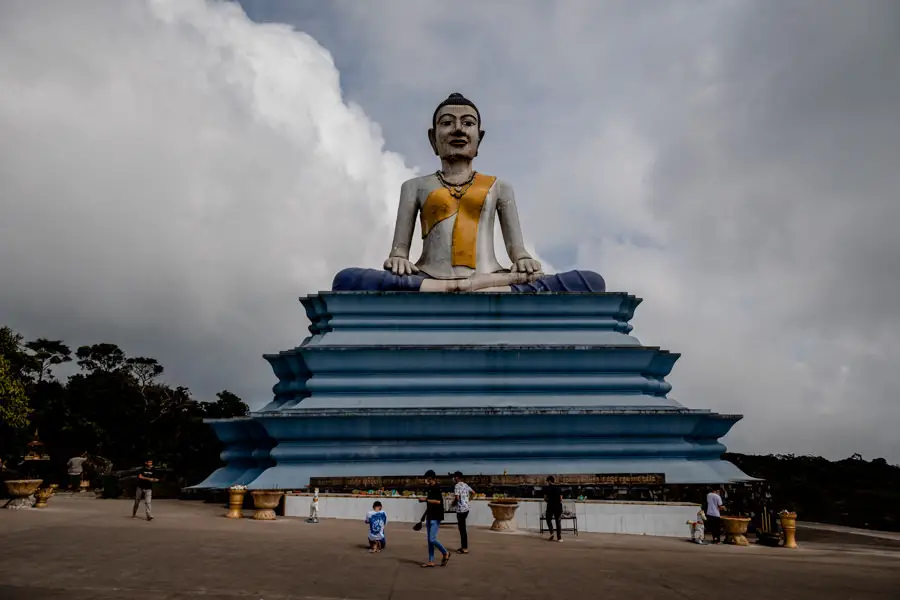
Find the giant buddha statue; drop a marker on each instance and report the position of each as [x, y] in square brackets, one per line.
[457, 208]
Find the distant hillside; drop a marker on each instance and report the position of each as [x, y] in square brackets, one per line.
[852, 492]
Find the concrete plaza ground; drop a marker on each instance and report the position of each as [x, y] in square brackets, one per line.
[81, 547]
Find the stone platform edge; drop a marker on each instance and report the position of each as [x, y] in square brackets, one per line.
[594, 516]
[519, 500]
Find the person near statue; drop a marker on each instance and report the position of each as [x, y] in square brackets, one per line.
[554, 502]
[144, 491]
[434, 514]
[457, 208]
[75, 470]
[376, 519]
[714, 506]
[461, 494]
[314, 507]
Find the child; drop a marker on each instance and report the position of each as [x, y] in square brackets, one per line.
[377, 519]
[697, 528]
[314, 507]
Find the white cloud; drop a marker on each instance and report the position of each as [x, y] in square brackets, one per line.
[173, 176]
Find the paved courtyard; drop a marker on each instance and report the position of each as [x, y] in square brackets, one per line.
[81, 548]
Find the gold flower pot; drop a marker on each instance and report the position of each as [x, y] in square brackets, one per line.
[265, 501]
[789, 525]
[235, 504]
[735, 530]
[504, 516]
[41, 496]
[21, 490]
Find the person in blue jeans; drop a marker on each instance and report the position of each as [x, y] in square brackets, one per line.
[434, 514]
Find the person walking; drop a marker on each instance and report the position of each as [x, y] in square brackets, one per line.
[714, 506]
[434, 514]
[553, 498]
[462, 493]
[75, 470]
[144, 491]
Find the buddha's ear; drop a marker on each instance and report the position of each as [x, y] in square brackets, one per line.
[480, 139]
[433, 141]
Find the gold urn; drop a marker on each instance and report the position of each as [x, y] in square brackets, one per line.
[789, 525]
[736, 530]
[21, 490]
[265, 502]
[41, 496]
[235, 503]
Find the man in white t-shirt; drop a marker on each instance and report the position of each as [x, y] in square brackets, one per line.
[713, 515]
[462, 492]
[75, 470]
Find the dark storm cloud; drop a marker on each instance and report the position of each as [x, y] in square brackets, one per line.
[735, 163]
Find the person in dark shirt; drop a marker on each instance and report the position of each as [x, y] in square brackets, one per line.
[434, 514]
[553, 498]
[145, 480]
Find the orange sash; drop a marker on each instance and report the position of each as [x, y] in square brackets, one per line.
[441, 205]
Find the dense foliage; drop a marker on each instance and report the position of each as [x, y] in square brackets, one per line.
[115, 407]
[14, 406]
[852, 492]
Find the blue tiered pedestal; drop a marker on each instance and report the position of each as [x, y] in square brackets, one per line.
[395, 383]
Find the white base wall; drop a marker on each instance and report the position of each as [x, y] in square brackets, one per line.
[594, 516]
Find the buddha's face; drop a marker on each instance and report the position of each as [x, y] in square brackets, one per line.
[456, 133]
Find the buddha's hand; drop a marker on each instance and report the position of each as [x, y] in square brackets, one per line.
[400, 266]
[526, 265]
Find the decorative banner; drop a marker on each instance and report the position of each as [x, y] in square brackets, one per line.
[375, 483]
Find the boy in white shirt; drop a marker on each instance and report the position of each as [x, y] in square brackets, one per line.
[377, 519]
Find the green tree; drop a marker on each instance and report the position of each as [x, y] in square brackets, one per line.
[227, 406]
[107, 358]
[144, 370]
[47, 354]
[14, 407]
[20, 363]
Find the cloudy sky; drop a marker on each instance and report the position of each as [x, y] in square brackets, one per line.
[174, 173]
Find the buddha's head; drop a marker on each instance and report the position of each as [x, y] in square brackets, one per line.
[456, 129]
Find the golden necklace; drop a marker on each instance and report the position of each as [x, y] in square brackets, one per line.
[457, 191]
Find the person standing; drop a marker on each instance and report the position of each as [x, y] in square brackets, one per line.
[144, 491]
[75, 470]
[714, 506]
[462, 493]
[553, 498]
[434, 514]
[314, 507]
